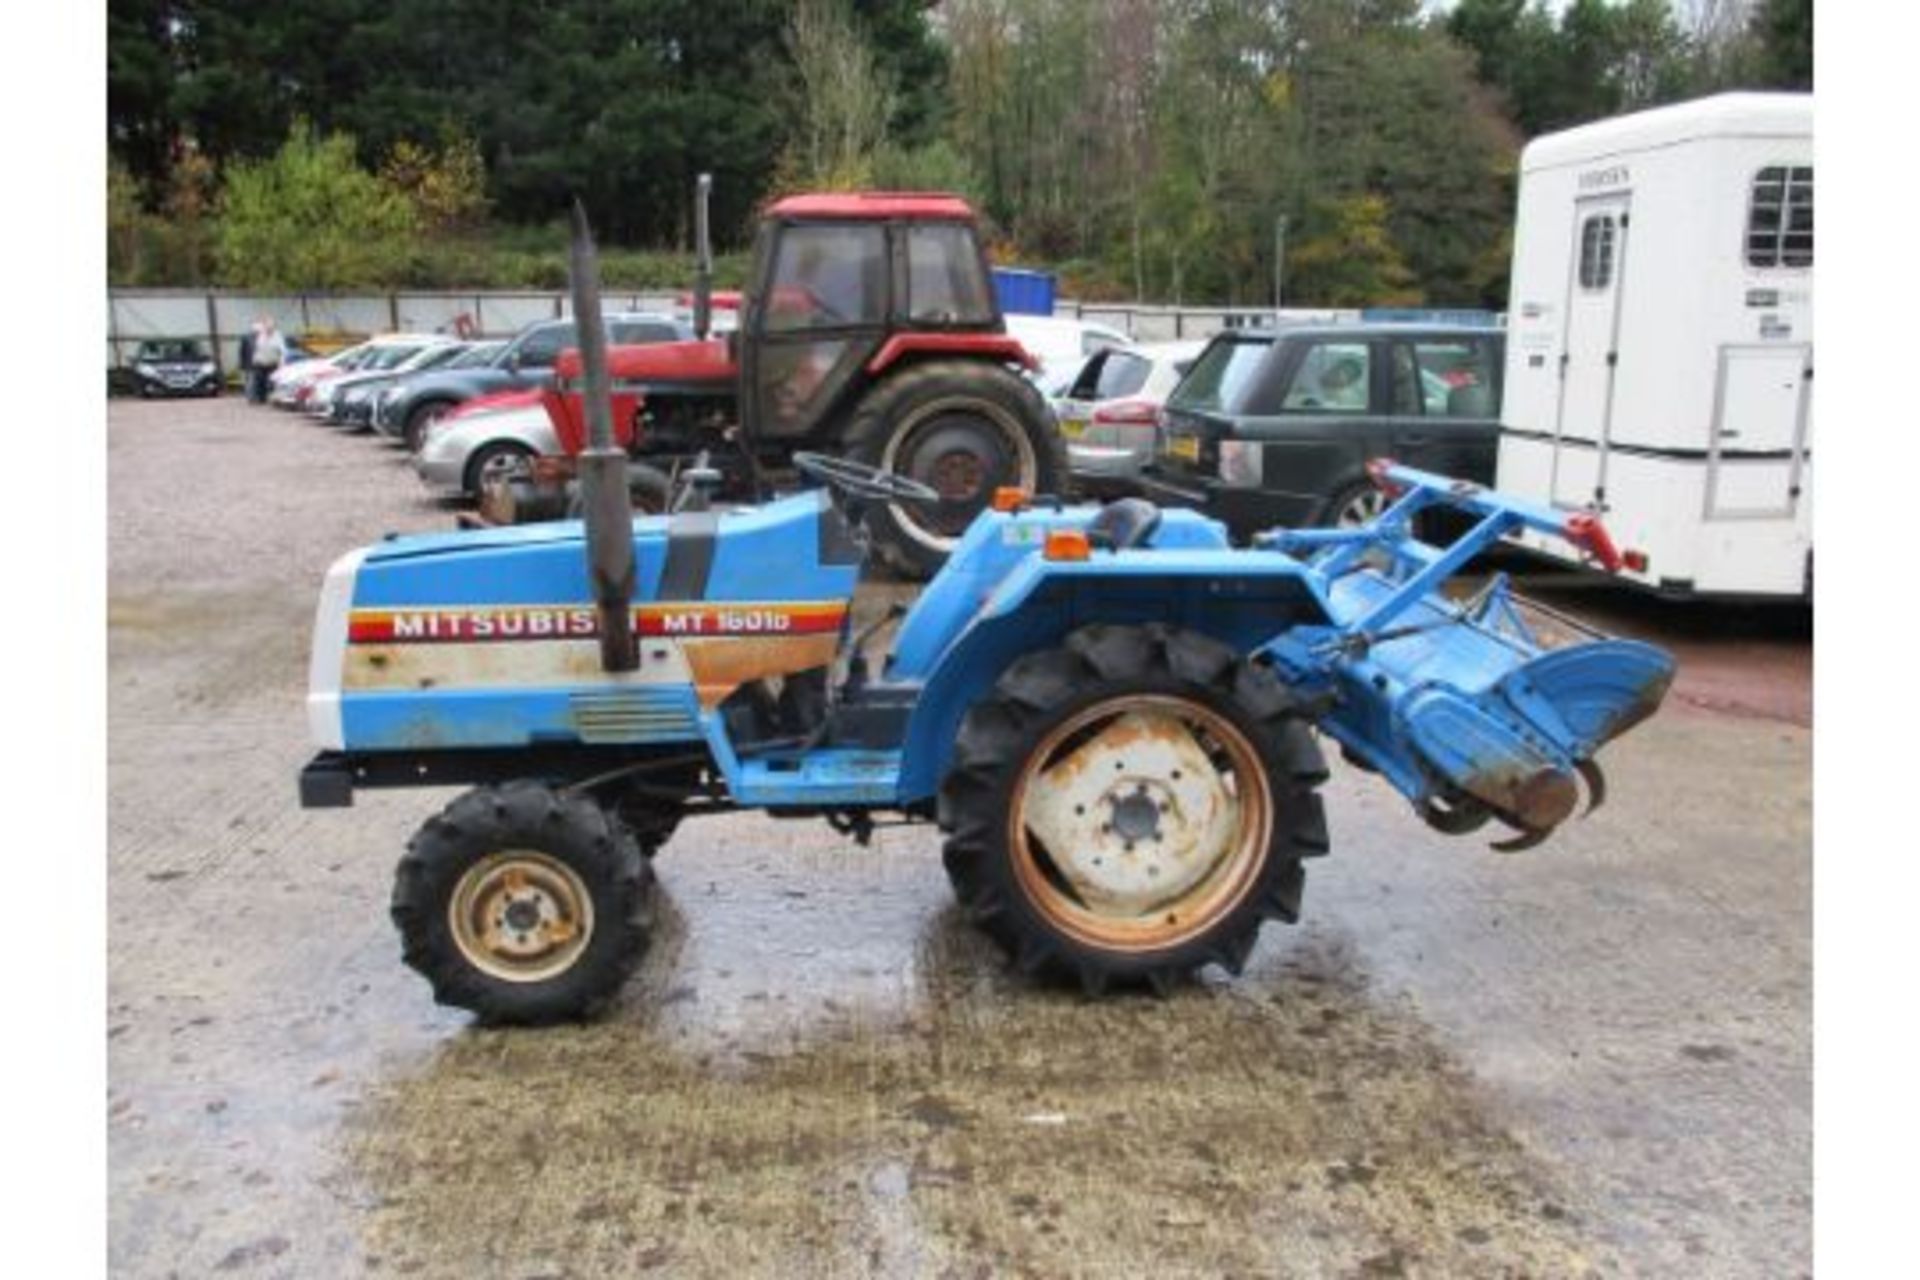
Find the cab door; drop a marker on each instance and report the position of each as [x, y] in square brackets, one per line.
[818, 312]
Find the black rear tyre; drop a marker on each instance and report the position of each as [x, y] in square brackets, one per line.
[523, 906]
[965, 427]
[1132, 806]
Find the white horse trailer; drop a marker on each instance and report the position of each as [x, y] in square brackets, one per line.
[1660, 340]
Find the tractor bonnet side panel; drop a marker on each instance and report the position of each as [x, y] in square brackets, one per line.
[490, 640]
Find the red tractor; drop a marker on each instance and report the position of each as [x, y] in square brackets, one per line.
[868, 330]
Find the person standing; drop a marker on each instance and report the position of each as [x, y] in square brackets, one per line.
[247, 340]
[268, 351]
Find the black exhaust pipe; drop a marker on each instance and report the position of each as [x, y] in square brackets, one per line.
[606, 504]
[703, 259]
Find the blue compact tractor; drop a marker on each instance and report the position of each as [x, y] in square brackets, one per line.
[1112, 714]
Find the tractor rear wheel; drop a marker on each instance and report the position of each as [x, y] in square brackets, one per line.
[1132, 806]
[965, 427]
[521, 905]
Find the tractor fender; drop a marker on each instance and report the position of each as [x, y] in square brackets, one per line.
[1239, 598]
[992, 346]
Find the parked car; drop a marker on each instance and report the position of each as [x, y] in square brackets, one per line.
[1109, 413]
[329, 397]
[410, 407]
[354, 403]
[175, 367]
[1062, 346]
[472, 444]
[291, 386]
[1274, 427]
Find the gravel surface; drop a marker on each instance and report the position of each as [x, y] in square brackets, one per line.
[1592, 1058]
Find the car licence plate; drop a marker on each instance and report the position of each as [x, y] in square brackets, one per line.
[1186, 448]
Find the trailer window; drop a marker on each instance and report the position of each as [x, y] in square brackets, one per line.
[1596, 251]
[1780, 218]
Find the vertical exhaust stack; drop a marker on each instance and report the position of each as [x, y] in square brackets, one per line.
[605, 502]
[703, 259]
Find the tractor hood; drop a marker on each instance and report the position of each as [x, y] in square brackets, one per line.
[704, 367]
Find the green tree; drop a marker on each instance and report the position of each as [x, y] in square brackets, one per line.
[843, 101]
[1784, 32]
[126, 225]
[1354, 261]
[447, 184]
[311, 218]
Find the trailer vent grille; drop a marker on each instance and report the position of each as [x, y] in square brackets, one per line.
[633, 715]
[1780, 218]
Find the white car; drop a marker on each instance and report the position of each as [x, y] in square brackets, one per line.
[463, 449]
[1109, 413]
[391, 361]
[1062, 346]
[290, 386]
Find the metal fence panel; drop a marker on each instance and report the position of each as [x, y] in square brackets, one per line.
[437, 312]
[221, 317]
[505, 313]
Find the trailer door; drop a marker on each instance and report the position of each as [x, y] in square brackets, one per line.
[1589, 359]
[1758, 445]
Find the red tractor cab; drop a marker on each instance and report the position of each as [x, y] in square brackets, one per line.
[868, 329]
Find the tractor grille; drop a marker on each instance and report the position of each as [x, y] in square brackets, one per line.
[633, 715]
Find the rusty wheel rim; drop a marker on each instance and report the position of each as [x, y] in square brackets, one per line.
[1140, 822]
[521, 916]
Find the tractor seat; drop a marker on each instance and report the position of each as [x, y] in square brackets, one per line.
[1123, 523]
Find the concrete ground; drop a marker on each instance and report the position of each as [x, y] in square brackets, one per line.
[1594, 1057]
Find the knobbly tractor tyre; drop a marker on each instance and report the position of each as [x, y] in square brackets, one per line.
[523, 906]
[964, 427]
[1132, 806]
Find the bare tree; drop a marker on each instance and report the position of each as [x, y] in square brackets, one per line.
[845, 101]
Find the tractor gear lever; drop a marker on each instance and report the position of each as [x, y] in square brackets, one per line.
[698, 483]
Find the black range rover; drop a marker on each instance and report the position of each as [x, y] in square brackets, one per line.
[1275, 426]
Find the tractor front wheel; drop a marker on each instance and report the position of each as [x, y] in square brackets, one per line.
[964, 427]
[522, 905]
[1132, 806]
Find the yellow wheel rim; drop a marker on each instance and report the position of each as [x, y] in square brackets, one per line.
[521, 916]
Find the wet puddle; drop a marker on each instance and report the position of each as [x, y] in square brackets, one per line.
[776, 1112]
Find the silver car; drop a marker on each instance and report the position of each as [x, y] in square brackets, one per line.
[464, 450]
[1109, 412]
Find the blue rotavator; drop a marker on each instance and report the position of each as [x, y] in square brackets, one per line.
[1109, 711]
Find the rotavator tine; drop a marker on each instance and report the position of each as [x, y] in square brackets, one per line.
[1596, 781]
[1522, 839]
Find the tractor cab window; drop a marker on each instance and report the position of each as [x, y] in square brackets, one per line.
[946, 283]
[828, 277]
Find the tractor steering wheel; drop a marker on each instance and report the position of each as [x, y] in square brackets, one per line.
[859, 480]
